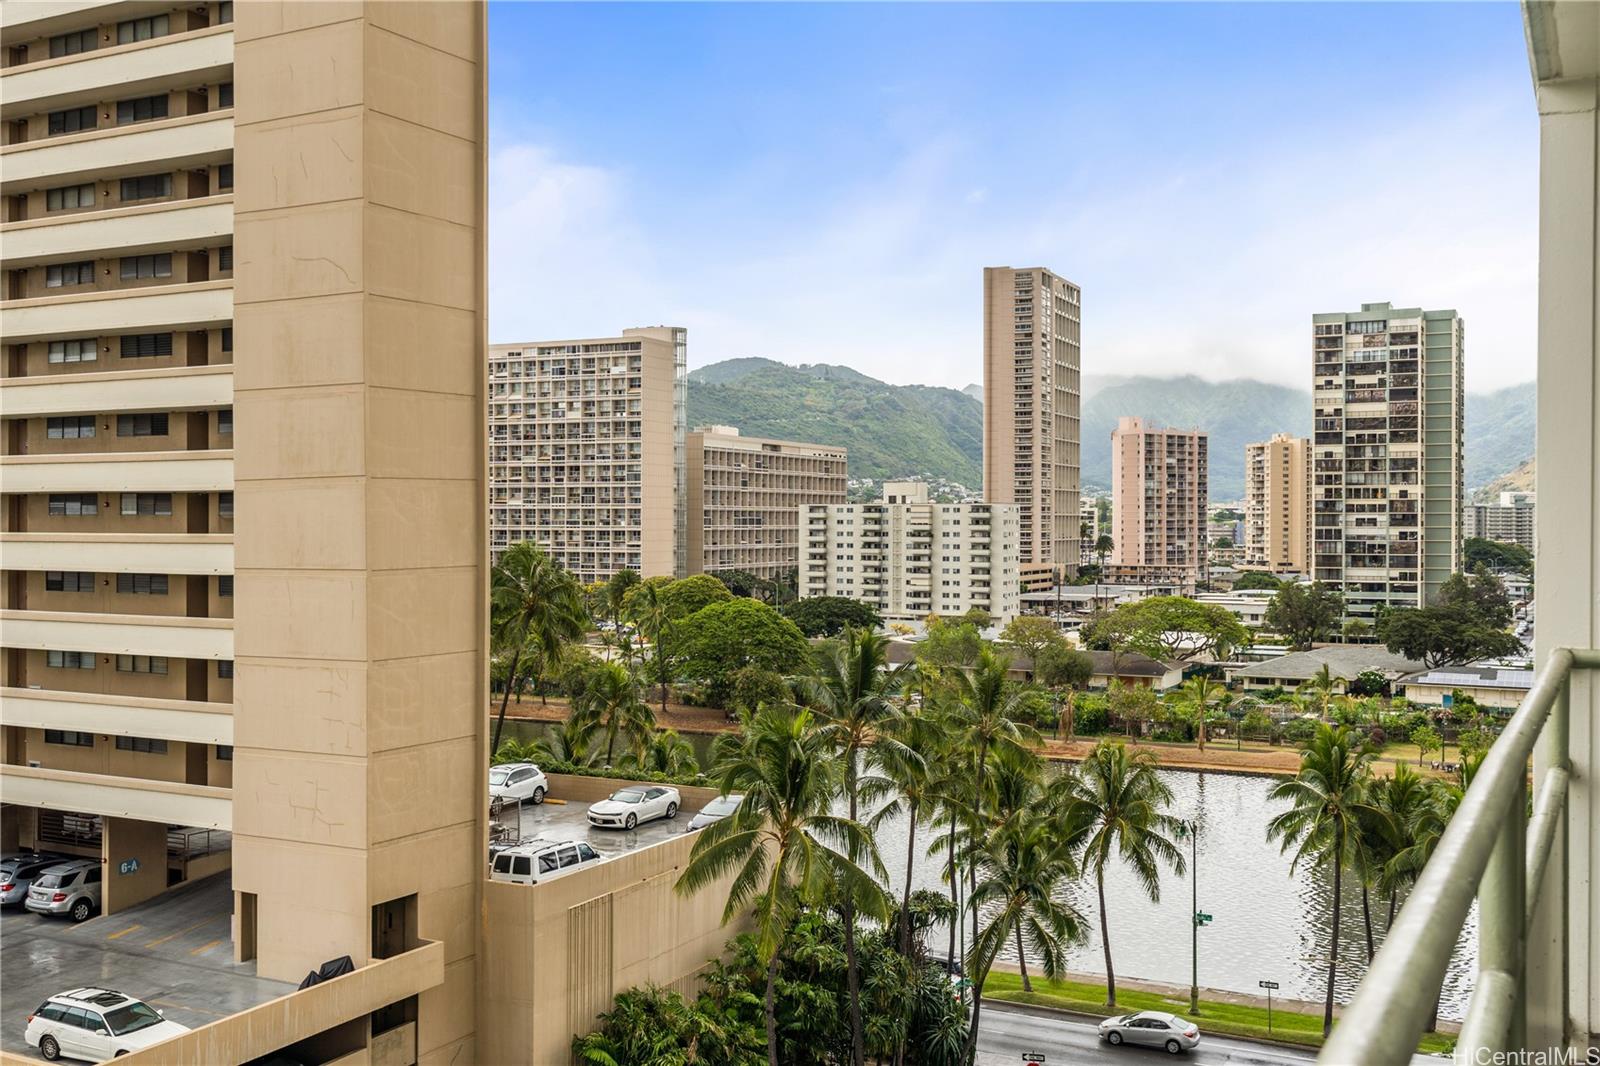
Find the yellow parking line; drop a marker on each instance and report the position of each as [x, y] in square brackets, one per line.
[203, 948]
[173, 936]
[125, 932]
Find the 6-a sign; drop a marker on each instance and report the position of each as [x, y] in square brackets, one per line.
[128, 866]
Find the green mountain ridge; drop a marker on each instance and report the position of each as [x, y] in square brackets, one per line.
[921, 430]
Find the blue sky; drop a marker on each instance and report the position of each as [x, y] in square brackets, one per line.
[825, 183]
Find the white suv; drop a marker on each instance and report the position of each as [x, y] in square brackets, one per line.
[96, 1024]
[516, 781]
[538, 861]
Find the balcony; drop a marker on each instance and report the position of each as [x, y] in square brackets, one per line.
[157, 308]
[197, 471]
[166, 802]
[118, 553]
[172, 226]
[185, 142]
[189, 721]
[198, 57]
[174, 636]
[195, 388]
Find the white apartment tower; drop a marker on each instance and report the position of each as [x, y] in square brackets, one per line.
[588, 451]
[1509, 519]
[1277, 505]
[1031, 363]
[1387, 482]
[910, 557]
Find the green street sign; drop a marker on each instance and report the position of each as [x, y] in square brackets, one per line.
[1201, 917]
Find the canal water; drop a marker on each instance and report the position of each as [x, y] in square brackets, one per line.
[1269, 924]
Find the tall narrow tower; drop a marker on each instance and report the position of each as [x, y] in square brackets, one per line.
[1031, 367]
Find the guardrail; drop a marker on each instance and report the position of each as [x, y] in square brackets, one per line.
[1490, 852]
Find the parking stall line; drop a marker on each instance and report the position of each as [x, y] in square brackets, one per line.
[123, 933]
[203, 948]
[188, 929]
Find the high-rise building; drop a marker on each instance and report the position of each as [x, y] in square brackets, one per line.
[744, 499]
[1510, 519]
[1088, 529]
[1031, 363]
[1277, 505]
[588, 451]
[243, 525]
[910, 557]
[1386, 454]
[1158, 502]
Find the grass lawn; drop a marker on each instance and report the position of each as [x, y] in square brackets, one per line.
[1225, 1018]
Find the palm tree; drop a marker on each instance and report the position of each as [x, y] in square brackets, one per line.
[1319, 689]
[567, 745]
[911, 770]
[853, 690]
[1428, 823]
[613, 702]
[649, 613]
[1196, 696]
[1327, 801]
[782, 844]
[1399, 801]
[1022, 869]
[534, 608]
[1116, 805]
[662, 752]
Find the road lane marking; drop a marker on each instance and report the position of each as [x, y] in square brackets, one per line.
[205, 947]
[125, 932]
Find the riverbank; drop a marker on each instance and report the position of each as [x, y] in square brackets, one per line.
[1223, 1012]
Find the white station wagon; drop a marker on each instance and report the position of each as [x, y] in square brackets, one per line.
[538, 861]
[96, 1024]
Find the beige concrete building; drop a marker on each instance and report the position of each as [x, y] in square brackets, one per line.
[1386, 465]
[587, 451]
[910, 557]
[745, 494]
[1510, 519]
[1031, 395]
[1277, 505]
[1158, 502]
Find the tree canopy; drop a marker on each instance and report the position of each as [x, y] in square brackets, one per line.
[1467, 623]
[1169, 627]
[827, 616]
[1031, 634]
[725, 637]
[1256, 579]
[1496, 555]
[1305, 614]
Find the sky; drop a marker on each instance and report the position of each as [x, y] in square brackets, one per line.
[825, 183]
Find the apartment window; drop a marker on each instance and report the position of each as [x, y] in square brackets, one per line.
[147, 503]
[70, 660]
[60, 275]
[227, 338]
[225, 504]
[147, 745]
[69, 737]
[143, 345]
[147, 186]
[68, 581]
[142, 664]
[141, 109]
[74, 504]
[225, 669]
[225, 94]
[79, 351]
[225, 257]
[225, 176]
[146, 266]
[71, 120]
[141, 29]
[224, 751]
[225, 588]
[151, 425]
[142, 584]
[225, 421]
[71, 427]
[71, 44]
[69, 196]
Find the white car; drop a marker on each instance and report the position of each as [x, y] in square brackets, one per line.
[513, 782]
[715, 811]
[1152, 1028]
[537, 861]
[96, 1024]
[629, 806]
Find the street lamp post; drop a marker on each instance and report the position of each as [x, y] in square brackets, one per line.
[1191, 829]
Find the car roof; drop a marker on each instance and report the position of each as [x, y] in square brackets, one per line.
[1162, 1015]
[532, 847]
[98, 997]
[514, 766]
[72, 865]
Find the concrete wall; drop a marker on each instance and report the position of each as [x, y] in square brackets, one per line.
[580, 789]
[558, 953]
[144, 842]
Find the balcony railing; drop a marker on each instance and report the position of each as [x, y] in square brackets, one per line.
[1492, 853]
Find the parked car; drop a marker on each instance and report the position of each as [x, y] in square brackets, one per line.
[627, 807]
[67, 888]
[17, 872]
[716, 810]
[96, 1024]
[1152, 1028]
[515, 781]
[537, 861]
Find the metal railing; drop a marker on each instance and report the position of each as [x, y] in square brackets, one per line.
[1490, 852]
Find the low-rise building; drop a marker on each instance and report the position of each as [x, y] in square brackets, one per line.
[1345, 662]
[909, 557]
[1248, 606]
[1497, 688]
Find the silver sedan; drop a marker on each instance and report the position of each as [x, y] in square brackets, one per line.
[1151, 1028]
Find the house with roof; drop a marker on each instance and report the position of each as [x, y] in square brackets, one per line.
[1497, 688]
[1345, 662]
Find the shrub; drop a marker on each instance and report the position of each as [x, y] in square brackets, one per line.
[1299, 730]
[1089, 716]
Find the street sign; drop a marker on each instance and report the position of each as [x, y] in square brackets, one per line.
[128, 866]
[1267, 984]
[1033, 1056]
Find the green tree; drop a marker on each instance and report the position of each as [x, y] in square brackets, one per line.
[647, 609]
[1134, 704]
[1319, 690]
[567, 745]
[1197, 698]
[1103, 546]
[535, 608]
[1304, 614]
[1327, 799]
[661, 752]
[782, 844]
[1256, 579]
[1355, 630]
[1031, 634]
[724, 638]
[614, 703]
[978, 618]
[689, 595]
[1116, 806]
[1426, 738]
[950, 644]
[1467, 622]
[1064, 669]
[1170, 627]
[1496, 555]
[615, 591]
[827, 616]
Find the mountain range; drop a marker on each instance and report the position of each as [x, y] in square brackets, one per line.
[919, 430]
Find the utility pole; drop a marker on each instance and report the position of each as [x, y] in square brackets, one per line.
[1191, 829]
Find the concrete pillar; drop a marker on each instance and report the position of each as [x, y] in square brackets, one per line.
[1564, 43]
[135, 860]
[360, 615]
